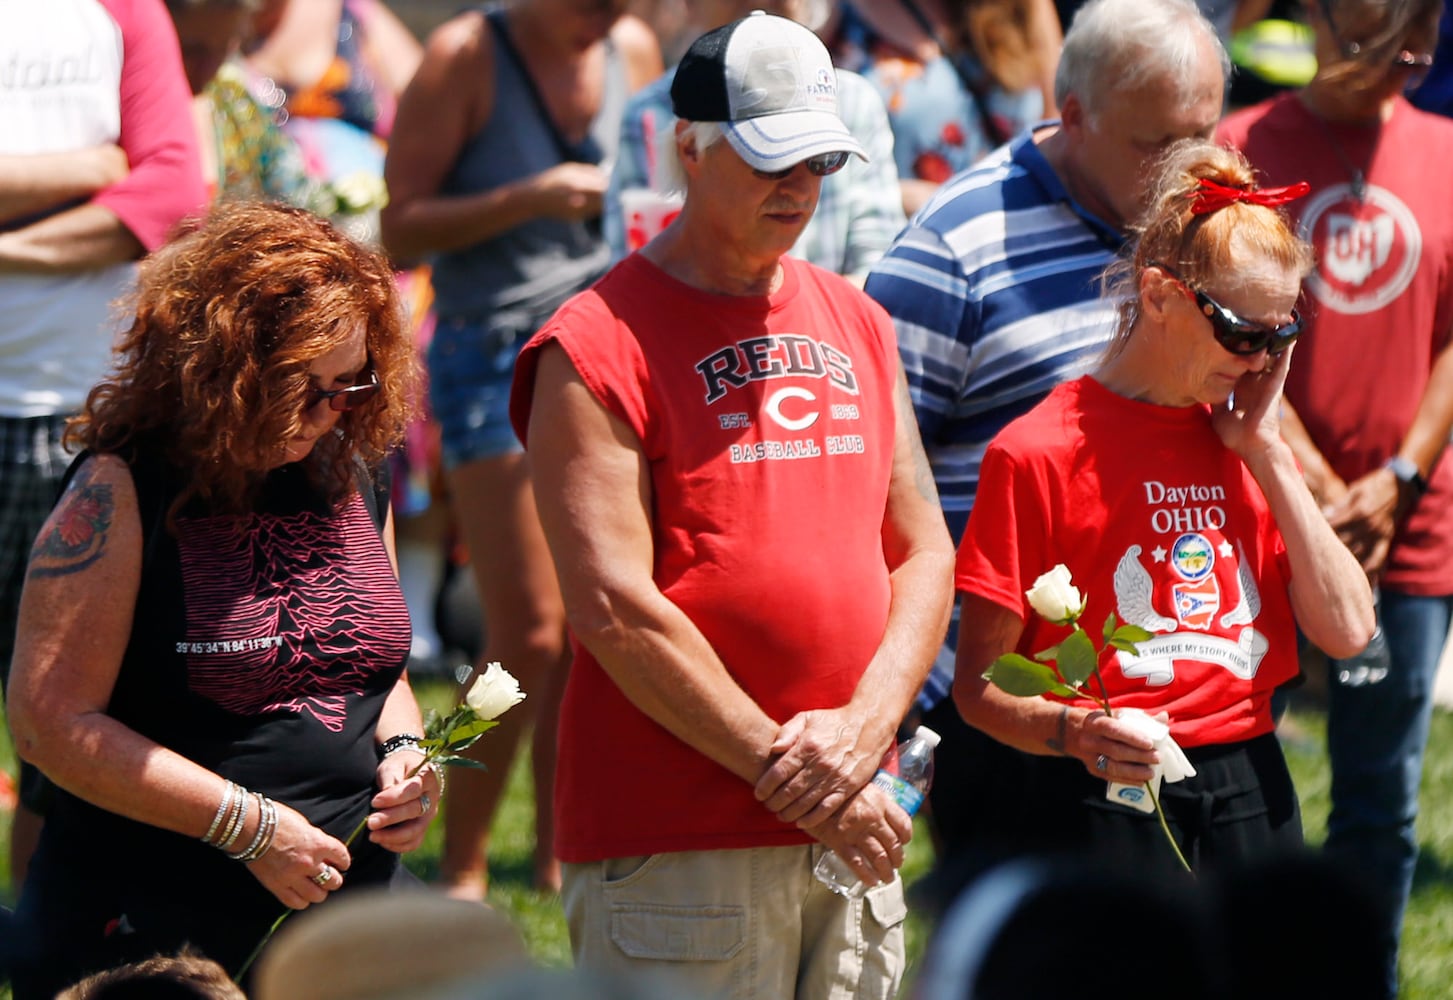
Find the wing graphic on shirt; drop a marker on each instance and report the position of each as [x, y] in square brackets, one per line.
[1133, 592]
[1249, 606]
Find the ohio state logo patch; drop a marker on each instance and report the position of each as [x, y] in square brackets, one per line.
[1367, 252]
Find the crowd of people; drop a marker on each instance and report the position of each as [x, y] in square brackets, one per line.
[762, 361]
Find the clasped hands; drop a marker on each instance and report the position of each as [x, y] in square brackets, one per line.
[820, 778]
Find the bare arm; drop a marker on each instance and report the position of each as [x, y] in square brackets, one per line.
[828, 754]
[77, 239]
[449, 99]
[392, 51]
[39, 182]
[75, 620]
[1329, 591]
[1367, 514]
[592, 490]
[1035, 725]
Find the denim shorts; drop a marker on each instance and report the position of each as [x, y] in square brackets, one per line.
[471, 364]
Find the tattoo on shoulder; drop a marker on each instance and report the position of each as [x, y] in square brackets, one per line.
[74, 536]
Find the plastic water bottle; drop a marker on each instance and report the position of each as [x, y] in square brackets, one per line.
[905, 774]
[1371, 665]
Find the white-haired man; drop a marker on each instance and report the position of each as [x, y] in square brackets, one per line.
[755, 569]
[994, 290]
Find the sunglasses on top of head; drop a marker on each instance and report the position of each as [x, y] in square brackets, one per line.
[347, 398]
[820, 165]
[1237, 335]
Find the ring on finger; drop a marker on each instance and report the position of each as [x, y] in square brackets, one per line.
[1102, 763]
[423, 803]
[323, 877]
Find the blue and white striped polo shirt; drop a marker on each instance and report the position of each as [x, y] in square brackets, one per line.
[994, 290]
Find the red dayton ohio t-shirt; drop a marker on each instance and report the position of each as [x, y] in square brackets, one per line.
[768, 424]
[1158, 522]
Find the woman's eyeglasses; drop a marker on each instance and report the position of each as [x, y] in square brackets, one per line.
[1237, 335]
[820, 165]
[347, 398]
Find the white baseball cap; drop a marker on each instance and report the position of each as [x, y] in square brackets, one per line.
[771, 84]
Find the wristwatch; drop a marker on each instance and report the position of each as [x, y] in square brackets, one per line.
[1406, 471]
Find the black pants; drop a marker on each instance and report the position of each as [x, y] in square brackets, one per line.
[990, 802]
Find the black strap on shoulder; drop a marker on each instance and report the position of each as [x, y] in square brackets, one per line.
[586, 150]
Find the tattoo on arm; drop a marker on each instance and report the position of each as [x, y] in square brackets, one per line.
[922, 471]
[1057, 741]
[74, 536]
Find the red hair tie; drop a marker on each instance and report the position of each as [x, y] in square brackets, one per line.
[1212, 195]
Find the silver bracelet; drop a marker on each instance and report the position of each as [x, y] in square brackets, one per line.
[438, 770]
[235, 831]
[261, 830]
[231, 819]
[266, 827]
[222, 808]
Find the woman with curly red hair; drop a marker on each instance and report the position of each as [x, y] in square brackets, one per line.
[212, 639]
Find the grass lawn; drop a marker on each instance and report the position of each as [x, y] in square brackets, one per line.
[1427, 940]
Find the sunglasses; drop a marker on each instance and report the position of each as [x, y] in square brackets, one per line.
[347, 398]
[1237, 335]
[820, 166]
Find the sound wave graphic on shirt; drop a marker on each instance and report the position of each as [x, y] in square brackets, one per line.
[289, 613]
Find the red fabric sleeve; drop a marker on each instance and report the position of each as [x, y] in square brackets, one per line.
[165, 184]
[1003, 547]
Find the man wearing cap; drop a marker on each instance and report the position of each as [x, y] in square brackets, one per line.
[755, 570]
[994, 291]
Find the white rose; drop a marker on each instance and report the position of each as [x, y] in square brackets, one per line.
[494, 692]
[360, 191]
[1054, 598]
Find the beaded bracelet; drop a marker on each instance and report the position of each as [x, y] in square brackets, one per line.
[235, 830]
[234, 794]
[403, 741]
[438, 770]
[266, 827]
[222, 809]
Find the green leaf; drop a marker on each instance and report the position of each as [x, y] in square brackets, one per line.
[454, 761]
[1065, 691]
[1125, 646]
[1133, 633]
[1076, 658]
[1021, 676]
[1109, 626]
[1046, 655]
[470, 731]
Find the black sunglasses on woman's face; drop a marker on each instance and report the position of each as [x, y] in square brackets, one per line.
[347, 398]
[1237, 335]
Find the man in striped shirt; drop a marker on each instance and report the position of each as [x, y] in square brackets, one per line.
[994, 291]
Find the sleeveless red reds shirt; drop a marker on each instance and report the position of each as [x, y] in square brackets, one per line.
[768, 424]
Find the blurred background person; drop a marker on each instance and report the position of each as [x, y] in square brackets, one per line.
[959, 77]
[210, 658]
[244, 153]
[1371, 396]
[858, 212]
[95, 170]
[499, 183]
